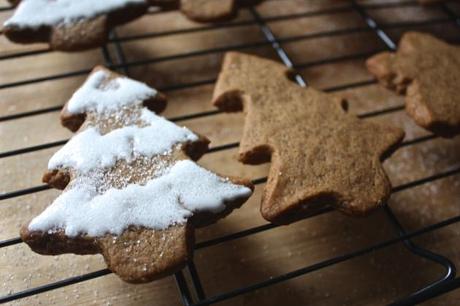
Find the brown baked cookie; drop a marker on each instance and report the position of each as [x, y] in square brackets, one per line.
[69, 25]
[206, 10]
[320, 155]
[427, 71]
[132, 190]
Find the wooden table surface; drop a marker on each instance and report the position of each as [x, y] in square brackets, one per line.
[373, 279]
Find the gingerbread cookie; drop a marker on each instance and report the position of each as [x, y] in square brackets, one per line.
[132, 192]
[206, 10]
[70, 25]
[320, 155]
[427, 71]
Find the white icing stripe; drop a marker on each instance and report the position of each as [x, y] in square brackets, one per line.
[170, 199]
[36, 13]
[90, 150]
[112, 96]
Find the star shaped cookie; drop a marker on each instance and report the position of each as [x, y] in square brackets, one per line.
[320, 155]
[427, 71]
[69, 25]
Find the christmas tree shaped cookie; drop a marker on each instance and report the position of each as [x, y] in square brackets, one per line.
[70, 25]
[132, 190]
[319, 154]
[427, 71]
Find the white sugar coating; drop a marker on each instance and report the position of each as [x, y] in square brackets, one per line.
[36, 13]
[184, 189]
[94, 95]
[89, 149]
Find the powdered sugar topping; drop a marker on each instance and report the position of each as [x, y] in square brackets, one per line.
[183, 190]
[124, 167]
[102, 95]
[89, 149]
[36, 13]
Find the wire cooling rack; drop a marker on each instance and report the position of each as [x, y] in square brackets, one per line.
[192, 292]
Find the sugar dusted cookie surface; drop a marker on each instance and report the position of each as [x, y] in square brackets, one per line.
[131, 189]
[68, 24]
[92, 96]
[53, 12]
[71, 25]
[182, 190]
[427, 71]
[106, 93]
[89, 149]
[319, 154]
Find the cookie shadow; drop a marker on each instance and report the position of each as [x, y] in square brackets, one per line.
[380, 276]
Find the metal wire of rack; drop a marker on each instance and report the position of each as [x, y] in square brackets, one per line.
[194, 293]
